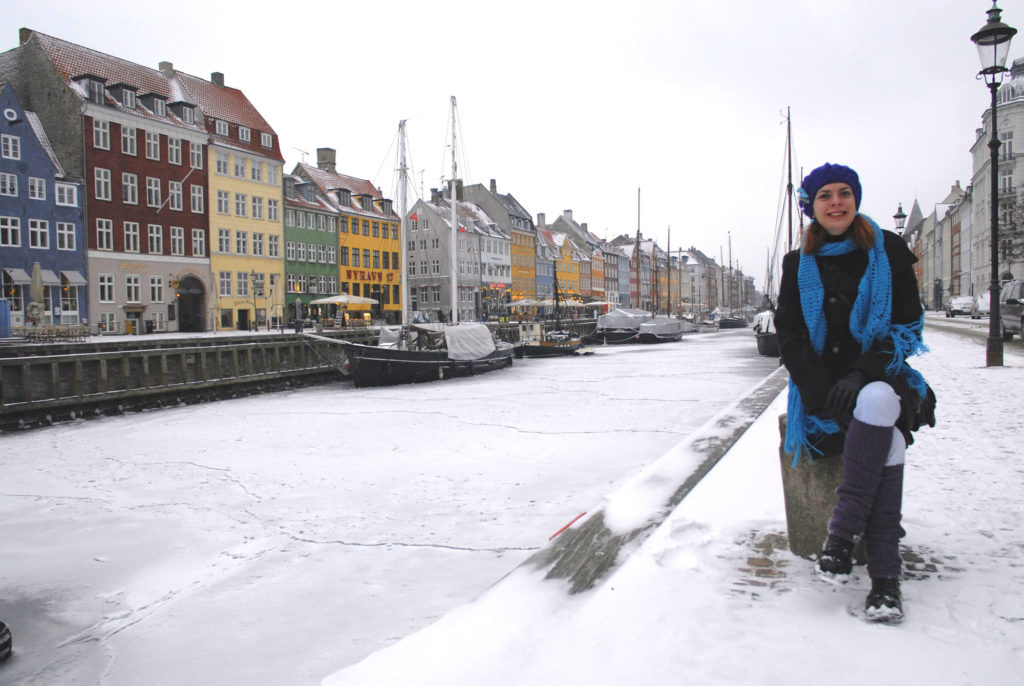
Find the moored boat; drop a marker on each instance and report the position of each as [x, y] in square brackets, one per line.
[662, 329]
[619, 326]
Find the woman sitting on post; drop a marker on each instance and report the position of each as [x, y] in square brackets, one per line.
[849, 316]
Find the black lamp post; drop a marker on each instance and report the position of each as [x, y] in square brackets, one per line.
[993, 41]
[900, 219]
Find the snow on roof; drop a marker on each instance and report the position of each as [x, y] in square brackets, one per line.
[37, 127]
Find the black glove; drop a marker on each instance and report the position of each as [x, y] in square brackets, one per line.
[843, 397]
[914, 410]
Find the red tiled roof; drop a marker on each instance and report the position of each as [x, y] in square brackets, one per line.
[328, 181]
[230, 105]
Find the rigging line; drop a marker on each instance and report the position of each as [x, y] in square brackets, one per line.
[387, 156]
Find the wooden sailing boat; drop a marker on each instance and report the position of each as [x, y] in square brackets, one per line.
[432, 351]
[537, 341]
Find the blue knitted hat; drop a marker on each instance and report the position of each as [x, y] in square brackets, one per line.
[822, 176]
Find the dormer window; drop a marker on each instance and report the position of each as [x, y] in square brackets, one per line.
[266, 140]
[344, 196]
[222, 128]
[188, 115]
[159, 107]
[128, 98]
[366, 201]
[244, 134]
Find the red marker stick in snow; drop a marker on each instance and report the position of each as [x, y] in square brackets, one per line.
[567, 525]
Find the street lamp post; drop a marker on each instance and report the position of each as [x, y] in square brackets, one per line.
[993, 42]
[900, 219]
[253, 325]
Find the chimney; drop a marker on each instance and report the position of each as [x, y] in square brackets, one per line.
[167, 69]
[567, 214]
[23, 35]
[435, 196]
[494, 186]
[326, 159]
[540, 220]
[217, 78]
[584, 227]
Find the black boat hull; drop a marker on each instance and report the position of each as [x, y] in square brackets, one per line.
[768, 344]
[613, 336]
[548, 349]
[374, 366]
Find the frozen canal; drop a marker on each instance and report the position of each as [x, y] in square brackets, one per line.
[275, 539]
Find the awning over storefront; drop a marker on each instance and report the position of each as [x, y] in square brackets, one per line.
[74, 278]
[50, 278]
[19, 276]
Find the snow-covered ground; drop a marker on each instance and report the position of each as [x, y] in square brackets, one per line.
[714, 596]
[275, 539]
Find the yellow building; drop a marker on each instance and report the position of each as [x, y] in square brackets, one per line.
[245, 198]
[369, 246]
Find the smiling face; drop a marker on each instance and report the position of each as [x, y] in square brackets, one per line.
[835, 208]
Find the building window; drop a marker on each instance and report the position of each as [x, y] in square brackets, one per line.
[128, 98]
[159, 107]
[67, 195]
[198, 242]
[244, 134]
[174, 195]
[101, 134]
[224, 281]
[177, 241]
[342, 256]
[132, 288]
[173, 150]
[153, 192]
[10, 232]
[156, 239]
[10, 147]
[257, 207]
[106, 283]
[273, 246]
[129, 140]
[104, 234]
[36, 188]
[224, 240]
[257, 244]
[102, 183]
[266, 140]
[376, 230]
[256, 170]
[198, 199]
[131, 237]
[289, 251]
[241, 242]
[195, 153]
[153, 146]
[300, 220]
[366, 257]
[156, 289]
[342, 224]
[355, 257]
[188, 115]
[243, 284]
[272, 174]
[376, 259]
[223, 202]
[129, 189]
[8, 184]
[240, 167]
[240, 204]
[272, 209]
[222, 163]
[222, 128]
[386, 262]
[366, 227]
[300, 252]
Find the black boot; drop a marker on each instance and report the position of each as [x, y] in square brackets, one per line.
[5, 642]
[836, 556]
[884, 603]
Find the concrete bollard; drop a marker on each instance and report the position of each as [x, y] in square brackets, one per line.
[809, 490]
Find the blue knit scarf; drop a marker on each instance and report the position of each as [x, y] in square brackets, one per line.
[870, 323]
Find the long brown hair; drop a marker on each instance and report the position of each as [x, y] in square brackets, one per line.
[860, 231]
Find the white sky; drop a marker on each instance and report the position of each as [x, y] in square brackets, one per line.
[574, 105]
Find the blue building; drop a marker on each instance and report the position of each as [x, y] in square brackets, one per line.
[40, 221]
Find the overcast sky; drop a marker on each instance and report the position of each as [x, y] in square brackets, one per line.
[575, 105]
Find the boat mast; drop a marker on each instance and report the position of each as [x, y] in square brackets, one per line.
[668, 265]
[789, 184]
[403, 209]
[636, 252]
[455, 230]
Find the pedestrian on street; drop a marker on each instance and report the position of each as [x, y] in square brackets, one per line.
[849, 316]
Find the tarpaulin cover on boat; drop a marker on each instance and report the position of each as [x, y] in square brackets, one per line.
[623, 318]
[468, 341]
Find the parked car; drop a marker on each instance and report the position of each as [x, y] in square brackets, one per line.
[959, 304]
[1011, 308]
[979, 307]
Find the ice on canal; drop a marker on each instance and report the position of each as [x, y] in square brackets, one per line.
[275, 539]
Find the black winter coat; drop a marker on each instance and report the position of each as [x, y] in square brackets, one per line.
[815, 374]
